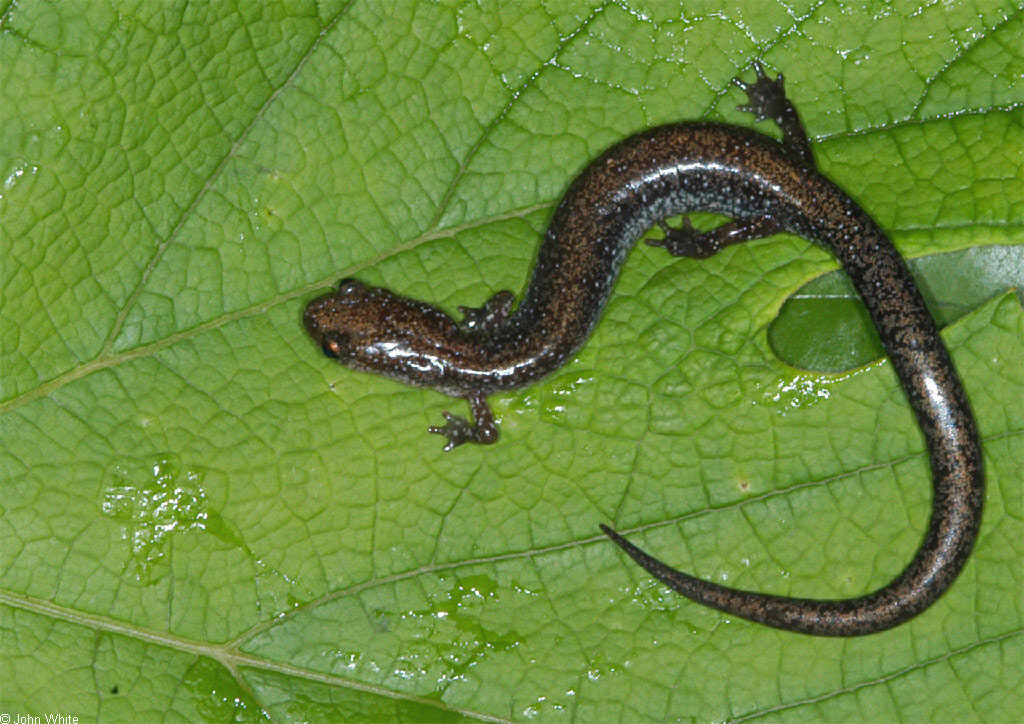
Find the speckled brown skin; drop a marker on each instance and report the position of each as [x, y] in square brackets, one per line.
[765, 187]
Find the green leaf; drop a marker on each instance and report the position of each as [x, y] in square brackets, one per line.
[205, 519]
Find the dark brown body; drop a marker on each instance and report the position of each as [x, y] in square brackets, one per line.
[677, 169]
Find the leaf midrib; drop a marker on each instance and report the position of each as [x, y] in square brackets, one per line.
[225, 654]
[229, 656]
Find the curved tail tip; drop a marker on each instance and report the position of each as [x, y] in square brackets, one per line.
[618, 539]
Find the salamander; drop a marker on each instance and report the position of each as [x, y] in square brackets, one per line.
[764, 186]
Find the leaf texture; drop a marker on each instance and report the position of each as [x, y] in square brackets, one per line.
[204, 519]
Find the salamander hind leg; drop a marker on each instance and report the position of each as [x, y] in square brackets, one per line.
[767, 100]
[687, 241]
[458, 430]
[490, 316]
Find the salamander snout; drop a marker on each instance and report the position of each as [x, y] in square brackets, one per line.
[332, 314]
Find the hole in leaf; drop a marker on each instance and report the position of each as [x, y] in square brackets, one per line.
[825, 327]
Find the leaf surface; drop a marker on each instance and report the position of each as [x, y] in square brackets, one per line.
[205, 519]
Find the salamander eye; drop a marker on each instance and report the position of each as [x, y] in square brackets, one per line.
[349, 286]
[334, 345]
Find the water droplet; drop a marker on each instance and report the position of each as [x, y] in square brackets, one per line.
[17, 173]
[153, 503]
[802, 390]
[454, 621]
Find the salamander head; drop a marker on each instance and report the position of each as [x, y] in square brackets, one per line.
[375, 330]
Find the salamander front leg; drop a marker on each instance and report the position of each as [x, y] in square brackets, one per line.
[459, 430]
[490, 316]
[687, 241]
[768, 101]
